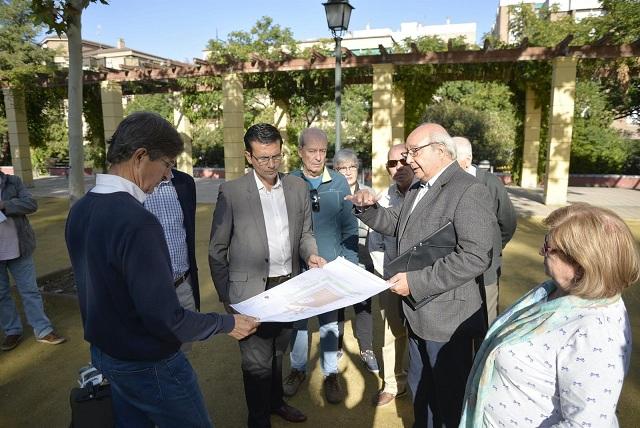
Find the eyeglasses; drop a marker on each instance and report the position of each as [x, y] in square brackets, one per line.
[343, 169]
[264, 160]
[392, 163]
[414, 150]
[546, 248]
[168, 164]
[315, 200]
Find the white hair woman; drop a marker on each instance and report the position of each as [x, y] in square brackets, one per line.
[559, 355]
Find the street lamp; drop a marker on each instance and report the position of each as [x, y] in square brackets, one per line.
[338, 15]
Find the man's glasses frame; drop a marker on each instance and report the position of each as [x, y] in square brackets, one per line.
[315, 200]
[264, 160]
[414, 150]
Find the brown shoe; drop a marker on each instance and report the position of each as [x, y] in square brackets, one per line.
[292, 382]
[332, 389]
[52, 339]
[383, 398]
[10, 342]
[289, 413]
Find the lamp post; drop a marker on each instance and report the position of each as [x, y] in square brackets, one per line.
[338, 15]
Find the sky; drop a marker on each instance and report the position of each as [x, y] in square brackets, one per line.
[180, 29]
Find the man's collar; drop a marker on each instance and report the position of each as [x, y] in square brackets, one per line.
[111, 183]
[261, 185]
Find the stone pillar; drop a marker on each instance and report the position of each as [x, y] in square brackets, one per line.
[531, 147]
[18, 135]
[382, 132]
[112, 112]
[233, 126]
[563, 86]
[397, 116]
[281, 121]
[183, 125]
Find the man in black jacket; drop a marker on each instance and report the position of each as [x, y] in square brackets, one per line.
[507, 222]
[173, 202]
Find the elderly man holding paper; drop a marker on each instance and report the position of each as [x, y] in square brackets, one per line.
[442, 331]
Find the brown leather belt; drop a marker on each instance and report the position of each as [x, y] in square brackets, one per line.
[178, 282]
[277, 280]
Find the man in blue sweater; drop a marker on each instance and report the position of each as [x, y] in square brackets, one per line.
[130, 311]
[336, 232]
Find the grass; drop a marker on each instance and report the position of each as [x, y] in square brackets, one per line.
[35, 379]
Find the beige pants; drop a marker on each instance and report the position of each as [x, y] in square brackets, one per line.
[394, 349]
[491, 292]
[185, 297]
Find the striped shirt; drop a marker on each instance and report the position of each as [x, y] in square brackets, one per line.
[164, 204]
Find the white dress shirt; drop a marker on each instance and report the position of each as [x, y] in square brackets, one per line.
[110, 183]
[276, 221]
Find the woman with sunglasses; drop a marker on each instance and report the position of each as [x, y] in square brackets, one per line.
[559, 355]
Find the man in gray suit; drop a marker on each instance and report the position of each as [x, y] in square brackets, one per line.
[261, 231]
[442, 332]
[507, 222]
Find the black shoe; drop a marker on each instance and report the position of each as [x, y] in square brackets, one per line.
[10, 342]
[289, 413]
[332, 389]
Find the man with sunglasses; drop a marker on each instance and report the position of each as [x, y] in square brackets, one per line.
[336, 231]
[442, 331]
[260, 233]
[383, 249]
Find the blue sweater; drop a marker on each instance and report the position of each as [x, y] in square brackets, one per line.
[334, 225]
[125, 285]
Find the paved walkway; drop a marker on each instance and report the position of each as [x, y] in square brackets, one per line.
[528, 202]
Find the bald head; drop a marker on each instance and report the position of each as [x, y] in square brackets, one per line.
[395, 152]
[465, 151]
[430, 150]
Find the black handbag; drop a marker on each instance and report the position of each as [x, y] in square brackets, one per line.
[433, 247]
[91, 407]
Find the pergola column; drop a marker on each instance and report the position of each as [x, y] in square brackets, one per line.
[531, 149]
[382, 132]
[281, 121]
[397, 116]
[112, 112]
[233, 125]
[560, 130]
[18, 135]
[183, 126]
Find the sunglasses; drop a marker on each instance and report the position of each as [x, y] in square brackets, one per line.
[315, 200]
[546, 248]
[392, 163]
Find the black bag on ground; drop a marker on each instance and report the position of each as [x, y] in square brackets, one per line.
[91, 407]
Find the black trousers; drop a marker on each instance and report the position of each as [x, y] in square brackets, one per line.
[438, 374]
[362, 327]
[261, 355]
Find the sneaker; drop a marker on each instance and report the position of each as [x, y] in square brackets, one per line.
[370, 361]
[10, 342]
[52, 339]
[292, 382]
[332, 389]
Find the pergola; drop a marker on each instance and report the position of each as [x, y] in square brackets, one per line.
[388, 102]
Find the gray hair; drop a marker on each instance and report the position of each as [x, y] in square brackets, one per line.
[312, 134]
[445, 139]
[463, 147]
[344, 156]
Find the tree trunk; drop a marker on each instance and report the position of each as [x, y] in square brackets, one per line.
[76, 149]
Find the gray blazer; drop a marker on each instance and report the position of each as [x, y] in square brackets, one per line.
[18, 202]
[457, 197]
[238, 249]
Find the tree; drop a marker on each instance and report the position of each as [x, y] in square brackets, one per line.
[162, 104]
[65, 16]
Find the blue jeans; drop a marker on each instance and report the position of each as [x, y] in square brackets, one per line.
[24, 273]
[162, 393]
[328, 343]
